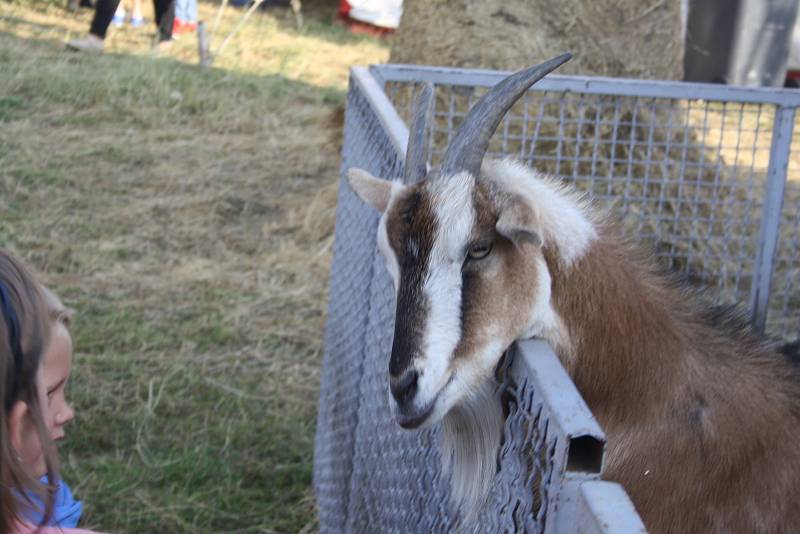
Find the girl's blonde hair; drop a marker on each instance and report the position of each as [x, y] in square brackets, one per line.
[24, 334]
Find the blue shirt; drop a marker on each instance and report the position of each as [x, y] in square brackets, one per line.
[66, 510]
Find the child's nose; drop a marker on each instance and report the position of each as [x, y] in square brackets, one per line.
[65, 415]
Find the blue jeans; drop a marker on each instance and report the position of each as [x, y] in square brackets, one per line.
[186, 10]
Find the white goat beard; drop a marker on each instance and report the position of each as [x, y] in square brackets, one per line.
[471, 435]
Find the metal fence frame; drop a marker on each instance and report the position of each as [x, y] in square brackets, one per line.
[576, 500]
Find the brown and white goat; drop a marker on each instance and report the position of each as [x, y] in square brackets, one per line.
[702, 417]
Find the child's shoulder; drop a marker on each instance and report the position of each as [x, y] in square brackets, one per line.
[25, 528]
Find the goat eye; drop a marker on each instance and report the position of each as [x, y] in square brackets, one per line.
[477, 252]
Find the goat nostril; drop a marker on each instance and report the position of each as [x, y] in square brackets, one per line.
[405, 387]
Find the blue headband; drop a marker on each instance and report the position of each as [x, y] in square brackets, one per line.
[12, 325]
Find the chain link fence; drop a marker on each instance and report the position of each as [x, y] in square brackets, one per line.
[702, 174]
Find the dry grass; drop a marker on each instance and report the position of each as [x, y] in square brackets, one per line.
[187, 216]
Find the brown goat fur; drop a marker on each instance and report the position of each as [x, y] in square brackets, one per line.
[702, 416]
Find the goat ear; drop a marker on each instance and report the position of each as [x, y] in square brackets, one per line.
[373, 191]
[517, 222]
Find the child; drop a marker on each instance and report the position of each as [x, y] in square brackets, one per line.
[56, 366]
[33, 413]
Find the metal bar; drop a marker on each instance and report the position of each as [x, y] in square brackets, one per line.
[605, 508]
[596, 85]
[728, 224]
[626, 190]
[771, 215]
[203, 43]
[392, 124]
[560, 141]
[596, 142]
[377, 73]
[579, 441]
[563, 508]
[566, 407]
[593, 507]
[610, 174]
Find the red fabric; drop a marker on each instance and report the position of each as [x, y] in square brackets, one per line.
[344, 8]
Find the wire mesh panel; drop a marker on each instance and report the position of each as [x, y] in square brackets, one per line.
[685, 175]
[348, 313]
[395, 485]
[785, 297]
[369, 476]
[519, 502]
[784, 301]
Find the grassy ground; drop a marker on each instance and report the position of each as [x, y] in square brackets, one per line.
[186, 215]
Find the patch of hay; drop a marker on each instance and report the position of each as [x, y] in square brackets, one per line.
[625, 38]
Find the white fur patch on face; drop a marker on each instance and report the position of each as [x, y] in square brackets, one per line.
[468, 380]
[545, 323]
[472, 373]
[392, 265]
[562, 217]
[452, 201]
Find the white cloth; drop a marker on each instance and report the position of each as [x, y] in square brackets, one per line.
[383, 13]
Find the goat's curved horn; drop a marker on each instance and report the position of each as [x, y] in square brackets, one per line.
[416, 165]
[466, 150]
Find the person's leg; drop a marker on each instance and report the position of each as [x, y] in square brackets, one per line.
[136, 16]
[192, 11]
[103, 13]
[181, 10]
[165, 18]
[119, 15]
[185, 16]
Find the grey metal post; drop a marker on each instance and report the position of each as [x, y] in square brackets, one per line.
[771, 215]
[580, 442]
[595, 85]
[604, 508]
[393, 125]
[202, 45]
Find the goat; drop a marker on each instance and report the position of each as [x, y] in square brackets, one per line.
[702, 416]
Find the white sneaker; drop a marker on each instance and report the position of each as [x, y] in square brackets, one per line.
[119, 17]
[90, 43]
